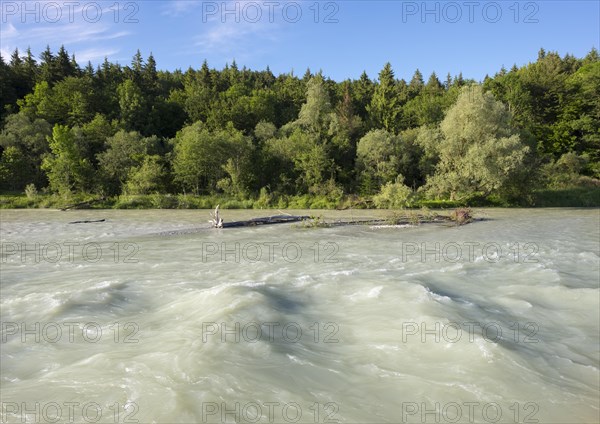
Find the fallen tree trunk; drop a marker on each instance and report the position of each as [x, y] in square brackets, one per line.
[459, 216]
[83, 204]
[217, 221]
[88, 221]
[269, 220]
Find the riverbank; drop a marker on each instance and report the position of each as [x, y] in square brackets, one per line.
[572, 197]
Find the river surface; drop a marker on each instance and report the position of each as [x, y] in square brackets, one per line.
[150, 316]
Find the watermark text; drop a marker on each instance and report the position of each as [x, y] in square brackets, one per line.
[469, 252]
[68, 412]
[252, 332]
[68, 332]
[318, 252]
[454, 412]
[453, 12]
[68, 251]
[70, 11]
[453, 332]
[289, 12]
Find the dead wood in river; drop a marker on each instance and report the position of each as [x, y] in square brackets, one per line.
[460, 216]
[85, 204]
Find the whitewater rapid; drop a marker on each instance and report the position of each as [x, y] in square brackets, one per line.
[496, 321]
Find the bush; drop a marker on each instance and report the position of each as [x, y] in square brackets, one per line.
[16, 202]
[461, 216]
[564, 172]
[394, 195]
[282, 202]
[163, 201]
[264, 199]
[125, 201]
[568, 197]
[300, 202]
[322, 202]
[31, 192]
[184, 202]
[237, 204]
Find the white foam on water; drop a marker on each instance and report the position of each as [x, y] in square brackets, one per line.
[375, 326]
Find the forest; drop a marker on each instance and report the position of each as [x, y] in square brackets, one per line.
[135, 136]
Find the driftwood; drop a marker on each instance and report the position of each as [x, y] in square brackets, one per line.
[87, 222]
[459, 216]
[83, 204]
[391, 222]
[275, 219]
[217, 221]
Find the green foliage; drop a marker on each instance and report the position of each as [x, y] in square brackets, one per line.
[394, 195]
[13, 169]
[345, 129]
[556, 100]
[238, 167]
[480, 152]
[124, 151]
[461, 216]
[228, 133]
[315, 114]
[314, 166]
[565, 172]
[264, 131]
[384, 109]
[93, 135]
[146, 178]
[39, 103]
[378, 158]
[205, 160]
[29, 136]
[132, 106]
[67, 170]
[31, 191]
[127, 201]
[568, 197]
[264, 199]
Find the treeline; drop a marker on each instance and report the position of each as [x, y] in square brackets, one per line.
[115, 130]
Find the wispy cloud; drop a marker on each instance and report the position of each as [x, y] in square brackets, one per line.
[75, 29]
[8, 31]
[230, 38]
[225, 36]
[71, 33]
[179, 7]
[95, 54]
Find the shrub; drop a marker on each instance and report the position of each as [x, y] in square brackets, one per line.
[394, 195]
[461, 216]
[31, 192]
[264, 199]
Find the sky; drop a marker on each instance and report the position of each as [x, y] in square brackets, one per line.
[341, 38]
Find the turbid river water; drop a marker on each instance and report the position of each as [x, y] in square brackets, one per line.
[496, 321]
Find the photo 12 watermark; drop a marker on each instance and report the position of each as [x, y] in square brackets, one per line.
[453, 12]
[252, 252]
[453, 332]
[286, 332]
[70, 11]
[68, 412]
[69, 251]
[68, 332]
[469, 252]
[468, 412]
[290, 12]
[269, 412]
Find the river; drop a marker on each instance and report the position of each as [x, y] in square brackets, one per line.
[137, 319]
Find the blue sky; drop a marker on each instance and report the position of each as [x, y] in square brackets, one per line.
[342, 38]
